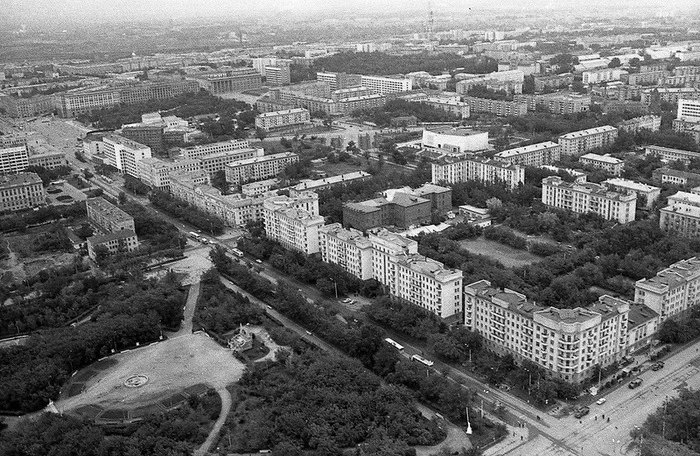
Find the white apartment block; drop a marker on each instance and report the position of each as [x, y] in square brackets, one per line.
[673, 290]
[217, 161]
[602, 75]
[579, 142]
[452, 106]
[568, 343]
[413, 277]
[259, 188]
[155, 172]
[349, 249]
[258, 168]
[651, 123]
[383, 85]
[688, 110]
[13, 159]
[21, 191]
[124, 154]
[649, 192]
[682, 215]
[234, 210]
[213, 148]
[544, 153]
[605, 162]
[454, 171]
[276, 120]
[669, 154]
[587, 197]
[287, 222]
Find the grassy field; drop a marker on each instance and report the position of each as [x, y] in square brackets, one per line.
[507, 256]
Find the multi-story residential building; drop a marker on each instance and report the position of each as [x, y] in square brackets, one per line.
[602, 75]
[644, 78]
[223, 146]
[108, 217]
[21, 191]
[464, 86]
[258, 168]
[674, 176]
[229, 80]
[402, 207]
[234, 210]
[155, 172]
[13, 159]
[350, 92]
[48, 160]
[669, 154]
[500, 108]
[568, 343]
[682, 215]
[261, 63]
[279, 74]
[413, 277]
[673, 290]
[337, 81]
[278, 120]
[328, 182]
[605, 162]
[13, 140]
[669, 94]
[348, 105]
[455, 140]
[116, 242]
[554, 81]
[462, 169]
[383, 85]
[644, 192]
[588, 197]
[544, 153]
[578, 143]
[348, 249]
[555, 103]
[260, 187]
[148, 135]
[632, 126]
[452, 106]
[124, 154]
[290, 222]
[26, 107]
[215, 162]
[643, 323]
[82, 100]
[688, 118]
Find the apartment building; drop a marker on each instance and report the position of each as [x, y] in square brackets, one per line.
[578, 143]
[258, 168]
[279, 120]
[117, 242]
[602, 75]
[554, 81]
[108, 217]
[462, 169]
[124, 154]
[229, 80]
[148, 135]
[670, 94]
[648, 193]
[682, 215]
[19, 191]
[234, 210]
[155, 172]
[544, 153]
[349, 249]
[215, 162]
[82, 101]
[676, 177]
[279, 74]
[217, 147]
[48, 160]
[669, 154]
[555, 103]
[501, 108]
[383, 85]
[260, 187]
[340, 180]
[568, 343]
[605, 162]
[673, 291]
[348, 105]
[588, 197]
[413, 277]
[338, 81]
[26, 107]
[632, 126]
[13, 159]
[290, 222]
[451, 106]
[454, 140]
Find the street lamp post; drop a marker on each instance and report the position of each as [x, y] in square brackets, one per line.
[335, 286]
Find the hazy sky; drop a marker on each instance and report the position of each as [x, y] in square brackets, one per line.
[52, 10]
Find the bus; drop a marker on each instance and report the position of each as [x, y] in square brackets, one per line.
[422, 360]
[394, 344]
[237, 253]
[193, 235]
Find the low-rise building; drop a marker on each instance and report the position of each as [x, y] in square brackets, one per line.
[578, 143]
[644, 192]
[259, 188]
[108, 217]
[294, 222]
[258, 168]
[544, 153]
[455, 140]
[673, 291]
[554, 81]
[472, 168]
[349, 249]
[501, 108]
[602, 75]
[605, 162]
[669, 154]
[588, 197]
[555, 103]
[632, 126]
[278, 120]
[48, 160]
[340, 180]
[117, 242]
[21, 191]
[676, 177]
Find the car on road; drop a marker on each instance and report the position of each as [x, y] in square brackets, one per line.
[601, 401]
[259, 261]
[308, 333]
[657, 366]
[346, 300]
[635, 383]
[581, 412]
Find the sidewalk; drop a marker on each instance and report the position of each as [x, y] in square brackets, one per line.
[516, 437]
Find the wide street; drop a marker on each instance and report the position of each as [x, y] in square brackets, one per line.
[548, 435]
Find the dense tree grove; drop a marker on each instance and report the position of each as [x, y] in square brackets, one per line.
[132, 312]
[401, 108]
[152, 230]
[186, 212]
[49, 175]
[405, 317]
[21, 220]
[371, 63]
[54, 240]
[220, 309]
[679, 422]
[175, 433]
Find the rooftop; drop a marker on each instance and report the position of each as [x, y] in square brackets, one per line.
[590, 131]
[108, 209]
[601, 158]
[524, 149]
[250, 161]
[428, 266]
[455, 131]
[675, 275]
[124, 142]
[640, 314]
[587, 187]
[630, 184]
[101, 239]
[311, 184]
[13, 180]
[691, 199]
[281, 113]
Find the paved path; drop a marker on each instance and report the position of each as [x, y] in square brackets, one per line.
[188, 314]
[214, 434]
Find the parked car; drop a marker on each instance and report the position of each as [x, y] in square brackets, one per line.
[635, 383]
[657, 366]
[601, 401]
[583, 411]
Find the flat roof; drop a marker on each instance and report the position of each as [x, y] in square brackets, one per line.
[280, 113]
[602, 158]
[106, 208]
[525, 149]
[590, 131]
[632, 185]
[12, 180]
[455, 131]
[101, 239]
[264, 158]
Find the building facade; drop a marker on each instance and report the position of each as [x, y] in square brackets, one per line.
[588, 197]
[645, 192]
[21, 191]
[673, 291]
[217, 147]
[108, 217]
[349, 249]
[501, 108]
[456, 170]
[13, 159]
[632, 126]
[578, 143]
[124, 154]
[455, 140]
[294, 222]
[258, 168]
[544, 153]
[605, 162]
[279, 120]
[383, 85]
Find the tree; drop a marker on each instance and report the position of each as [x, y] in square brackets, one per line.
[614, 63]
[122, 198]
[260, 134]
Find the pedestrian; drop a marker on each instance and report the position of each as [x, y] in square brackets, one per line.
[521, 438]
[596, 417]
[580, 422]
[603, 415]
[608, 419]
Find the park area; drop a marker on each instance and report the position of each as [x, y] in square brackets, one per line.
[507, 256]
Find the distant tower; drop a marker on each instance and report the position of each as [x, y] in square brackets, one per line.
[431, 21]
